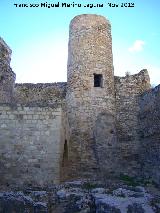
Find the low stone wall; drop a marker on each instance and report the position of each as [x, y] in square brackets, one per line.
[30, 145]
[41, 94]
[149, 122]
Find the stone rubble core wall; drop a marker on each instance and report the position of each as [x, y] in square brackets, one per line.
[128, 90]
[41, 94]
[149, 124]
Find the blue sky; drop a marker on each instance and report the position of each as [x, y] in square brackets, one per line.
[38, 37]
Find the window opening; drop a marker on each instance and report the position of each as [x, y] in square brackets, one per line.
[98, 80]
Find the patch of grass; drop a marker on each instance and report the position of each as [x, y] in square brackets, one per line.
[133, 181]
[89, 186]
[130, 181]
[148, 181]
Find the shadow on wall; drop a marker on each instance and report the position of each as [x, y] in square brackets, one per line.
[105, 139]
[65, 154]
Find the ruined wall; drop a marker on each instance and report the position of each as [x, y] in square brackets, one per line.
[92, 126]
[90, 107]
[7, 76]
[31, 133]
[30, 145]
[149, 124]
[128, 89]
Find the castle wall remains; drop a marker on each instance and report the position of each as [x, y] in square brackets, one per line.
[127, 90]
[31, 133]
[96, 125]
[149, 124]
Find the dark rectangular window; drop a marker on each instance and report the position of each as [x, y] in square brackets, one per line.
[98, 80]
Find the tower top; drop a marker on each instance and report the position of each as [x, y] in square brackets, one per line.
[88, 21]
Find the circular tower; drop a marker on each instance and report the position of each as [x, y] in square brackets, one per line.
[7, 76]
[90, 94]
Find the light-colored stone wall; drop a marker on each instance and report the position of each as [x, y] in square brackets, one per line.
[30, 145]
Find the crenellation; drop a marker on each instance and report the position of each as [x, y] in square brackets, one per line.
[95, 125]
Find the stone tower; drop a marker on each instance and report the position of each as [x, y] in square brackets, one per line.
[90, 96]
[7, 76]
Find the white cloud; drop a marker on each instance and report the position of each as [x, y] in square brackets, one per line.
[137, 46]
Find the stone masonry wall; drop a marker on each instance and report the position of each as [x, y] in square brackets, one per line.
[31, 129]
[127, 91]
[41, 94]
[30, 145]
[149, 124]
